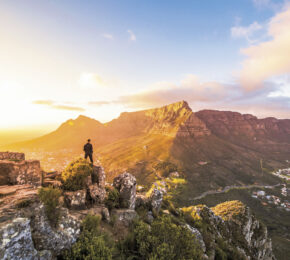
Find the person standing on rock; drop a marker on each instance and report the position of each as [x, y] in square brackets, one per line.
[88, 149]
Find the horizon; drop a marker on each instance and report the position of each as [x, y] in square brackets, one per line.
[99, 59]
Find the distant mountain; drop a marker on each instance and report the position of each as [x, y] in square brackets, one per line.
[214, 148]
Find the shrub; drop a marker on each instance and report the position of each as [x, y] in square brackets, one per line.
[229, 209]
[165, 167]
[113, 198]
[50, 198]
[75, 175]
[91, 243]
[164, 240]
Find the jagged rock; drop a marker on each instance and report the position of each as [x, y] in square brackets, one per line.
[54, 239]
[12, 156]
[16, 241]
[106, 215]
[124, 216]
[20, 172]
[75, 199]
[197, 235]
[99, 176]
[97, 194]
[126, 185]
[156, 198]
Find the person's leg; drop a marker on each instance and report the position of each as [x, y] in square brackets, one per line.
[91, 157]
[86, 155]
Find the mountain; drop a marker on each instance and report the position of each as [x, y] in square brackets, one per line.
[213, 148]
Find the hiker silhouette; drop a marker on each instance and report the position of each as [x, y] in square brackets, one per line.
[88, 149]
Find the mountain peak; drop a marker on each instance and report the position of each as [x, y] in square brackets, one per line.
[178, 105]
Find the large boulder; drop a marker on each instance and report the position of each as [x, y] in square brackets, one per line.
[126, 185]
[96, 193]
[16, 241]
[99, 176]
[20, 172]
[75, 199]
[156, 198]
[54, 239]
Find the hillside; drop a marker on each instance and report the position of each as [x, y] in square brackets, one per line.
[213, 148]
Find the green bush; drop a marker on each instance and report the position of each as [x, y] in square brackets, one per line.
[50, 198]
[75, 175]
[113, 198]
[91, 243]
[163, 240]
[23, 203]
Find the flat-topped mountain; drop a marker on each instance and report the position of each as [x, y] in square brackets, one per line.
[214, 148]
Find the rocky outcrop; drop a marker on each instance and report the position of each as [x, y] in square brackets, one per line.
[20, 172]
[126, 185]
[16, 241]
[155, 199]
[96, 193]
[54, 239]
[12, 156]
[75, 199]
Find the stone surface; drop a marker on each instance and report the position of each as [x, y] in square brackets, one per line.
[99, 176]
[141, 200]
[16, 241]
[96, 193]
[156, 198]
[12, 156]
[75, 199]
[54, 239]
[106, 215]
[126, 185]
[197, 235]
[20, 172]
[124, 216]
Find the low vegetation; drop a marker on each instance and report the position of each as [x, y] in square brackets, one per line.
[75, 174]
[229, 209]
[92, 243]
[112, 200]
[50, 198]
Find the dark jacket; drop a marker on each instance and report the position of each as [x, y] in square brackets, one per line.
[88, 148]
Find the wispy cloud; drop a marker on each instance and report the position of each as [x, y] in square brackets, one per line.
[91, 80]
[108, 36]
[71, 108]
[260, 4]
[246, 31]
[132, 36]
[43, 102]
[55, 105]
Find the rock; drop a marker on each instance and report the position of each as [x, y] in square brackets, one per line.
[20, 172]
[197, 235]
[97, 194]
[126, 185]
[16, 241]
[12, 156]
[124, 216]
[156, 198]
[99, 176]
[149, 217]
[75, 199]
[174, 175]
[106, 215]
[53, 183]
[54, 239]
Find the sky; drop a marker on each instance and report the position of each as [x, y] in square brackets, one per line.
[63, 58]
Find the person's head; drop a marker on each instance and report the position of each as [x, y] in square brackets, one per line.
[89, 140]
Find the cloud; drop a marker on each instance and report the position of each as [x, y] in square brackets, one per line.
[245, 31]
[43, 102]
[270, 4]
[268, 58]
[132, 36]
[71, 108]
[53, 104]
[108, 36]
